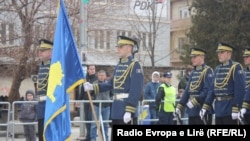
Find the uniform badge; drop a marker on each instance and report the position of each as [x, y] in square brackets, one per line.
[138, 70]
[240, 72]
[210, 75]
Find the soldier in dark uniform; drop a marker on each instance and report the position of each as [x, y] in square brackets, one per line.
[199, 85]
[45, 52]
[126, 83]
[245, 108]
[229, 88]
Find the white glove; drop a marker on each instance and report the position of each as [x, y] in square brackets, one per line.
[234, 116]
[177, 112]
[242, 112]
[127, 117]
[202, 113]
[190, 105]
[88, 86]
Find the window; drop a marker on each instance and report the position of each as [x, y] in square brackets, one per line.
[150, 40]
[144, 37]
[122, 33]
[145, 41]
[100, 1]
[11, 34]
[101, 37]
[184, 13]
[7, 34]
[108, 40]
[96, 39]
[181, 42]
[129, 34]
[3, 34]
[118, 2]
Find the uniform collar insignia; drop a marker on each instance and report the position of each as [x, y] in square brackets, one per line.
[124, 60]
[46, 62]
[225, 64]
[198, 67]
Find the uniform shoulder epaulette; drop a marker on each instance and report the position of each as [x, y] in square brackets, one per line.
[234, 66]
[132, 66]
[235, 62]
[207, 67]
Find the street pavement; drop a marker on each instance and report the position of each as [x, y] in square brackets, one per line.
[75, 136]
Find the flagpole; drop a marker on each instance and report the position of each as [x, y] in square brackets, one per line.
[83, 45]
[83, 22]
[94, 114]
[65, 63]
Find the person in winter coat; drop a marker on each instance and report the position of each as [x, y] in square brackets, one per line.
[150, 92]
[28, 114]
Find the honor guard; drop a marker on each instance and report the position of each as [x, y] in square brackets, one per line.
[199, 85]
[126, 83]
[244, 114]
[45, 52]
[229, 87]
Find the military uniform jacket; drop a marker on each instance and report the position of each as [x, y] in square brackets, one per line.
[127, 79]
[246, 100]
[229, 89]
[200, 84]
[43, 75]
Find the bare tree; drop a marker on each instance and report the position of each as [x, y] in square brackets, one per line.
[151, 18]
[30, 20]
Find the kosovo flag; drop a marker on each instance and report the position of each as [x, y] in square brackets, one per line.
[65, 74]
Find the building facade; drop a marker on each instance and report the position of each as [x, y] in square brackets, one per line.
[159, 25]
[180, 24]
[146, 20]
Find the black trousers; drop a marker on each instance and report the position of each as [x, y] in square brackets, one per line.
[196, 120]
[40, 129]
[88, 117]
[247, 119]
[121, 122]
[227, 120]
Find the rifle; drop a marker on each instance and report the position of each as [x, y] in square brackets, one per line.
[241, 121]
[205, 118]
[178, 119]
[178, 116]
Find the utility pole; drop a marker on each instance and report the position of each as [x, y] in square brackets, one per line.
[83, 46]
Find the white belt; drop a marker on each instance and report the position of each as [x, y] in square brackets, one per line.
[42, 98]
[121, 96]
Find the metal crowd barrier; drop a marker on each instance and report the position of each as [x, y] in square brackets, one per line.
[5, 108]
[13, 123]
[100, 120]
[146, 102]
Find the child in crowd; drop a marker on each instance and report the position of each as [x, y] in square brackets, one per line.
[28, 114]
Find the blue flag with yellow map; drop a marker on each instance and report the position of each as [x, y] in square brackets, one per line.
[65, 74]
